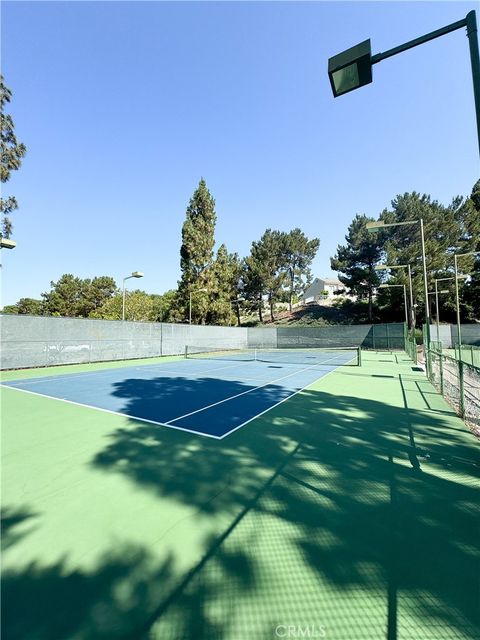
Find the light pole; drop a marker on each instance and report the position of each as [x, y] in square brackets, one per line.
[135, 274]
[190, 305]
[385, 286]
[459, 330]
[382, 267]
[380, 224]
[352, 68]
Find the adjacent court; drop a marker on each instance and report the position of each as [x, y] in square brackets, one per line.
[351, 508]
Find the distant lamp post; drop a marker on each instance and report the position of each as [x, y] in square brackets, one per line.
[385, 286]
[135, 274]
[457, 300]
[190, 305]
[352, 68]
[382, 267]
[372, 227]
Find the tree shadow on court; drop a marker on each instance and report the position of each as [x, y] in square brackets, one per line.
[118, 598]
[358, 514]
[16, 524]
[376, 494]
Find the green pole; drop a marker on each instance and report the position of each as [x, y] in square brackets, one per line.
[437, 310]
[475, 62]
[441, 374]
[457, 301]
[425, 284]
[412, 308]
[470, 22]
[462, 389]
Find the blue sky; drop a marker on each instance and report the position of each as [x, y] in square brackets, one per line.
[123, 107]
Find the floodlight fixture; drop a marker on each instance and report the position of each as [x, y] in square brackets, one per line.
[6, 243]
[352, 68]
[135, 274]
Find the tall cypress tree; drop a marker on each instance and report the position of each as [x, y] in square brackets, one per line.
[226, 273]
[12, 154]
[196, 253]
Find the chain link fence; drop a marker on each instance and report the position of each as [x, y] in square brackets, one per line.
[457, 380]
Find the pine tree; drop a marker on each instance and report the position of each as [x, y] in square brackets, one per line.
[470, 291]
[12, 154]
[356, 261]
[266, 269]
[196, 253]
[447, 230]
[299, 253]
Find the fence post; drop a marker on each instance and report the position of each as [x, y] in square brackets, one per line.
[462, 389]
[441, 374]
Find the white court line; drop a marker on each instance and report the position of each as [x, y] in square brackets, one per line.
[69, 376]
[276, 405]
[171, 426]
[116, 413]
[237, 395]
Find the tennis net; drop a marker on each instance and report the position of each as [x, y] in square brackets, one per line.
[339, 356]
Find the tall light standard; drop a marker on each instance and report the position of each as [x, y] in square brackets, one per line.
[382, 267]
[459, 330]
[380, 224]
[190, 305]
[135, 274]
[352, 68]
[385, 286]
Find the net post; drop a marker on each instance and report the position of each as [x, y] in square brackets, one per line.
[186, 351]
[359, 356]
[462, 389]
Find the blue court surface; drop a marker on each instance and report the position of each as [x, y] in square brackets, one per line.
[207, 397]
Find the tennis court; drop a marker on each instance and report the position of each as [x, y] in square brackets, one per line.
[347, 509]
[238, 385]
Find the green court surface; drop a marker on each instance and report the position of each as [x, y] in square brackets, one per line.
[348, 512]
